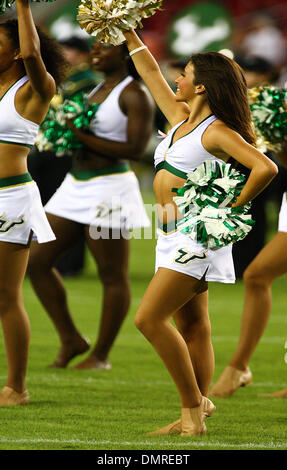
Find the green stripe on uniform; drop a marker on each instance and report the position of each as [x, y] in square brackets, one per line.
[168, 227]
[15, 143]
[15, 180]
[87, 175]
[166, 166]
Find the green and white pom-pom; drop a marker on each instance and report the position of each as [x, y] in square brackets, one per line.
[268, 107]
[54, 135]
[7, 4]
[203, 201]
[106, 19]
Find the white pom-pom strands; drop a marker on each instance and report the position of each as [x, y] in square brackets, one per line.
[107, 19]
[204, 201]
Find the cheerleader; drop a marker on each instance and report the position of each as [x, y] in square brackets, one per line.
[100, 199]
[30, 67]
[210, 120]
[270, 263]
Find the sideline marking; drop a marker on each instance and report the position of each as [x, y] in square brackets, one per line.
[54, 378]
[247, 445]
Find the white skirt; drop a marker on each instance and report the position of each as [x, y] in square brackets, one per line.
[178, 252]
[282, 223]
[21, 212]
[110, 201]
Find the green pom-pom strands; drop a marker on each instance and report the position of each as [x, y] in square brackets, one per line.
[203, 201]
[268, 107]
[55, 135]
[7, 4]
[211, 187]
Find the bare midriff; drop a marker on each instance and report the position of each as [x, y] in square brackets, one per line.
[84, 159]
[163, 184]
[13, 160]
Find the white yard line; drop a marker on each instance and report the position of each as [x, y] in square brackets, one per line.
[266, 340]
[112, 381]
[247, 445]
[220, 339]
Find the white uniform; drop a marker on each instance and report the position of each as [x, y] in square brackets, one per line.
[21, 209]
[175, 250]
[282, 224]
[108, 197]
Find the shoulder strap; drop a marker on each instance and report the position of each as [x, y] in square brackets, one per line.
[95, 90]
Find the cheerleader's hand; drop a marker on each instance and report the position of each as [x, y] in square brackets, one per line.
[235, 204]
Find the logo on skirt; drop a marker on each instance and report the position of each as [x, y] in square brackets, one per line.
[8, 224]
[187, 257]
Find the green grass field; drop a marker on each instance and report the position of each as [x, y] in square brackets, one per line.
[112, 410]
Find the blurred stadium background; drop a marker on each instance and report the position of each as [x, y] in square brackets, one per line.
[187, 26]
[239, 28]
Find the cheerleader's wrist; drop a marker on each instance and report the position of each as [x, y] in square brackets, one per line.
[136, 50]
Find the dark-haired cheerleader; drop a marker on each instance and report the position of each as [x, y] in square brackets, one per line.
[210, 120]
[268, 265]
[28, 80]
[100, 193]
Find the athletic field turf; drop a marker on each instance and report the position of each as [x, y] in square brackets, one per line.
[111, 410]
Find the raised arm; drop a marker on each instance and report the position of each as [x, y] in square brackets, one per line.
[149, 71]
[40, 80]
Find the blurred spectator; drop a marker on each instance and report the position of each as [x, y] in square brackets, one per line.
[258, 71]
[48, 170]
[265, 40]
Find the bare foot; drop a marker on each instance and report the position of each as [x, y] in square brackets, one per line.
[279, 394]
[93, 363]
[69, 351]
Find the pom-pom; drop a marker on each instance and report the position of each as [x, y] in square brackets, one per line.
[106, 19]
[204, 201]
[55, 135]
[6, 4]
[268, 107]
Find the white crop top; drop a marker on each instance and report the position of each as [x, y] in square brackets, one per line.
[14, 129]
[187, 153]
[110, 122]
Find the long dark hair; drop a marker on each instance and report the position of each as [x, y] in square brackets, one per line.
[51, 51]
[226, 91]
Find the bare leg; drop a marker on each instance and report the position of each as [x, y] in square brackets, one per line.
[193, 322]
[112, 257]
[15, 322]
[168, 292]
[50, 289]
[269, 264]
